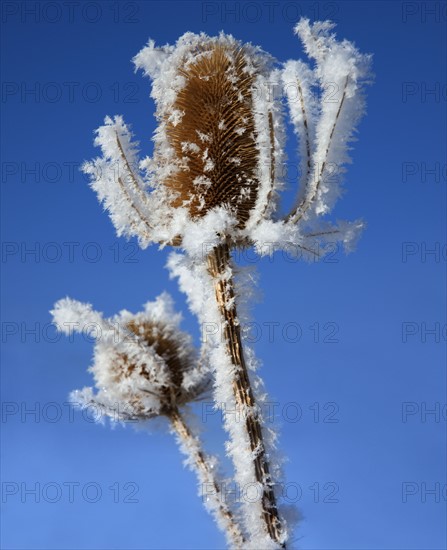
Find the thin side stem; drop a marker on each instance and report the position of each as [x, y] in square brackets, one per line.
[135, 184]
[132, 204]
[191, 446]
[218, 262]
[308, 160]
[296, 215]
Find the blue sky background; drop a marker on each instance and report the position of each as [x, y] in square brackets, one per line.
[378, 368]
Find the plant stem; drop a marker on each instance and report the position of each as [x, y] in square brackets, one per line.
[219, 260]
[192, 448]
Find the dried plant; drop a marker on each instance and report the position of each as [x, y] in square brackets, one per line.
[145, 367]
[213, 183]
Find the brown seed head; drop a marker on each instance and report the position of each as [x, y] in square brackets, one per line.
[215, 138]
[162, 341]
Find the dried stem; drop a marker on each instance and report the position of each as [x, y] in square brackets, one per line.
[311, 193]
[132, 204]
[321, 233]
[306, 177]
[218, 262]
[135, 184]
[137, 189]
[191, 446]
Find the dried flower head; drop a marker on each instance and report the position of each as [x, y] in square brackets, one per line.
[143, 366]
[216, 147]
[213, 133]
[218, 157]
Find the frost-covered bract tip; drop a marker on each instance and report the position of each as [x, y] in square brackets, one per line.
[326, 110]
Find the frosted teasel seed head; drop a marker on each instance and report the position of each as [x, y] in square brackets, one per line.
[143, 366]
[207, 142]
[219, 146]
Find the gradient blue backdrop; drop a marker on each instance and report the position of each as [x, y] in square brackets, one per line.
[378, 368]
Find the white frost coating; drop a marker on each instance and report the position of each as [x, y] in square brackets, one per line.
[166, 83]
[130, 375]
[342, 72]
[310, 245]
[195, 281]
[325, 104]
[150, 59]
[268, 123]
[245, 288]
[115, 178]
[324, 236]
[280, 137]
[72, 316]
[128, 371]
[111, 335]
[210, 480]
[299, 83]
[134, 388]
[204, 233]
